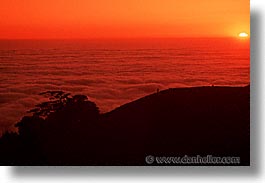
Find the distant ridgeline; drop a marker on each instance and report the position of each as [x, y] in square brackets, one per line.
[69, 130]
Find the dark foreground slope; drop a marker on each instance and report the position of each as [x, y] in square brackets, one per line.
[173, 123]
[185, 121]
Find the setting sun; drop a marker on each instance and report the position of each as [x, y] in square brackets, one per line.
[81, 19]
[243, 35]
[91, 82]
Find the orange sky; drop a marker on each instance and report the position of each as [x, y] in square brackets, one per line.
[41, 19]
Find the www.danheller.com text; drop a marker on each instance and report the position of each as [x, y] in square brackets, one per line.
[208, 159]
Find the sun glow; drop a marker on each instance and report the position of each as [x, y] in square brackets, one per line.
[84, 19]
[243, 35]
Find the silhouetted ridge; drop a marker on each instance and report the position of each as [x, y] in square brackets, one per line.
[69, 130]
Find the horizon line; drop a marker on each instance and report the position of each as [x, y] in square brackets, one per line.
[124, 38]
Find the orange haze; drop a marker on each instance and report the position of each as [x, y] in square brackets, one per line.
[46, 19]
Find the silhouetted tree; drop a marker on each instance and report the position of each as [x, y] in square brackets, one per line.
[57, 100]
[69, 130]
[30, 126]
[57, 131]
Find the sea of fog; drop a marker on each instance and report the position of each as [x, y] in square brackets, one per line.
[113, 72]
